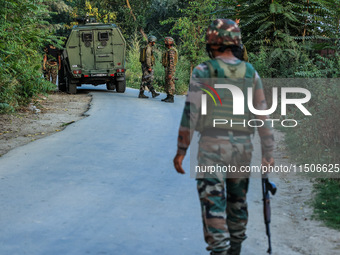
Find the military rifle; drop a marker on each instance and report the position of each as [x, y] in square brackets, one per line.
[267, 187]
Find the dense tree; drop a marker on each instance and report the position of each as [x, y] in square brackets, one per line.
[23, 33]
[265, 21]
[190, 27]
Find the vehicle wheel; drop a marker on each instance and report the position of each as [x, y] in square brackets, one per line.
[121, 86]
[61, 78]
[71, 86]
[110, 85]
[61, 84]
[61, 81]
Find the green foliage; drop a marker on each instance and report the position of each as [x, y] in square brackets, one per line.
[191, 27]
[264, 22]
[327, 202]
[23, 33]
[279, 60]
[317, 138]
[163, 10]
[133, 66]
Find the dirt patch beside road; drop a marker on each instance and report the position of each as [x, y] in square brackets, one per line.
[293, 223]
[46, 115]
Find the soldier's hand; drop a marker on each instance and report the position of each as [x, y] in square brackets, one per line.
[178, 163]
[267, 163]
[150, 70]
[169, 76]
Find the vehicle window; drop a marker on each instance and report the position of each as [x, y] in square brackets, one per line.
[103, 36]
[87, 39]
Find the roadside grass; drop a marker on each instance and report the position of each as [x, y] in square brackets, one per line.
[327, 202]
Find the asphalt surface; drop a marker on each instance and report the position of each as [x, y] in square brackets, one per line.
[106, 185]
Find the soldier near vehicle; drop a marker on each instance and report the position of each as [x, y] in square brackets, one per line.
[51, 63]
[169, 61]
[223, 196]
[147, 60]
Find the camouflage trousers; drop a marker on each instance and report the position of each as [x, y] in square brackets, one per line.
[223, 195]
[51, 73]
[147, 78]
[169, 85]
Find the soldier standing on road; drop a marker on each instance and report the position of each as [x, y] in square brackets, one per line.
[223, 196]
[148, 61]
[169, 61]
[52, 63]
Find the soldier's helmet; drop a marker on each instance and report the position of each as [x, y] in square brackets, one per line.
[169, 41]
[223, 32]
[152, 38]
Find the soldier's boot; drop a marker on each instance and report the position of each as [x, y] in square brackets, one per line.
[154, 93]
[141, 95]
[170, 99]
[235, 249]
[167, 97]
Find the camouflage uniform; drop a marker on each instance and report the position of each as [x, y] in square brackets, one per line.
[170, 70]
[148, 76]
[51, 63]
[147, 63]
[51, 72]
[222, 196]
[169, 62]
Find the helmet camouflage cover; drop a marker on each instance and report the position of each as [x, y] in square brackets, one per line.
[152, 38]
[223, 32]
[169, 40]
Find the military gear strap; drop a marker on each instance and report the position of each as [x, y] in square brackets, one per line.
[164, 58]
[142, 56]
[221, 70]
[215, 69]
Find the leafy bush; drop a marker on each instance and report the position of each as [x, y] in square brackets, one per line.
[23, 33]
[316, 137]
[327, 202]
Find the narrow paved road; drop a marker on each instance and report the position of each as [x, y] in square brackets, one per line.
[106, 185]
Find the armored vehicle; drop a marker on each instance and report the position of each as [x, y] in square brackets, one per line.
[94, 54]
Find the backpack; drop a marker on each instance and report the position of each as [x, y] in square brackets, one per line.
[165, 57]
[142, 54]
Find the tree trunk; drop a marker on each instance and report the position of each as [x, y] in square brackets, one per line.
[134, 18]
[305, 26]
[191, 68]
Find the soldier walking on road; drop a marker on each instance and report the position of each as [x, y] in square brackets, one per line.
[223, 195]
[147, 60]
[169, 61]
[52, 63]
